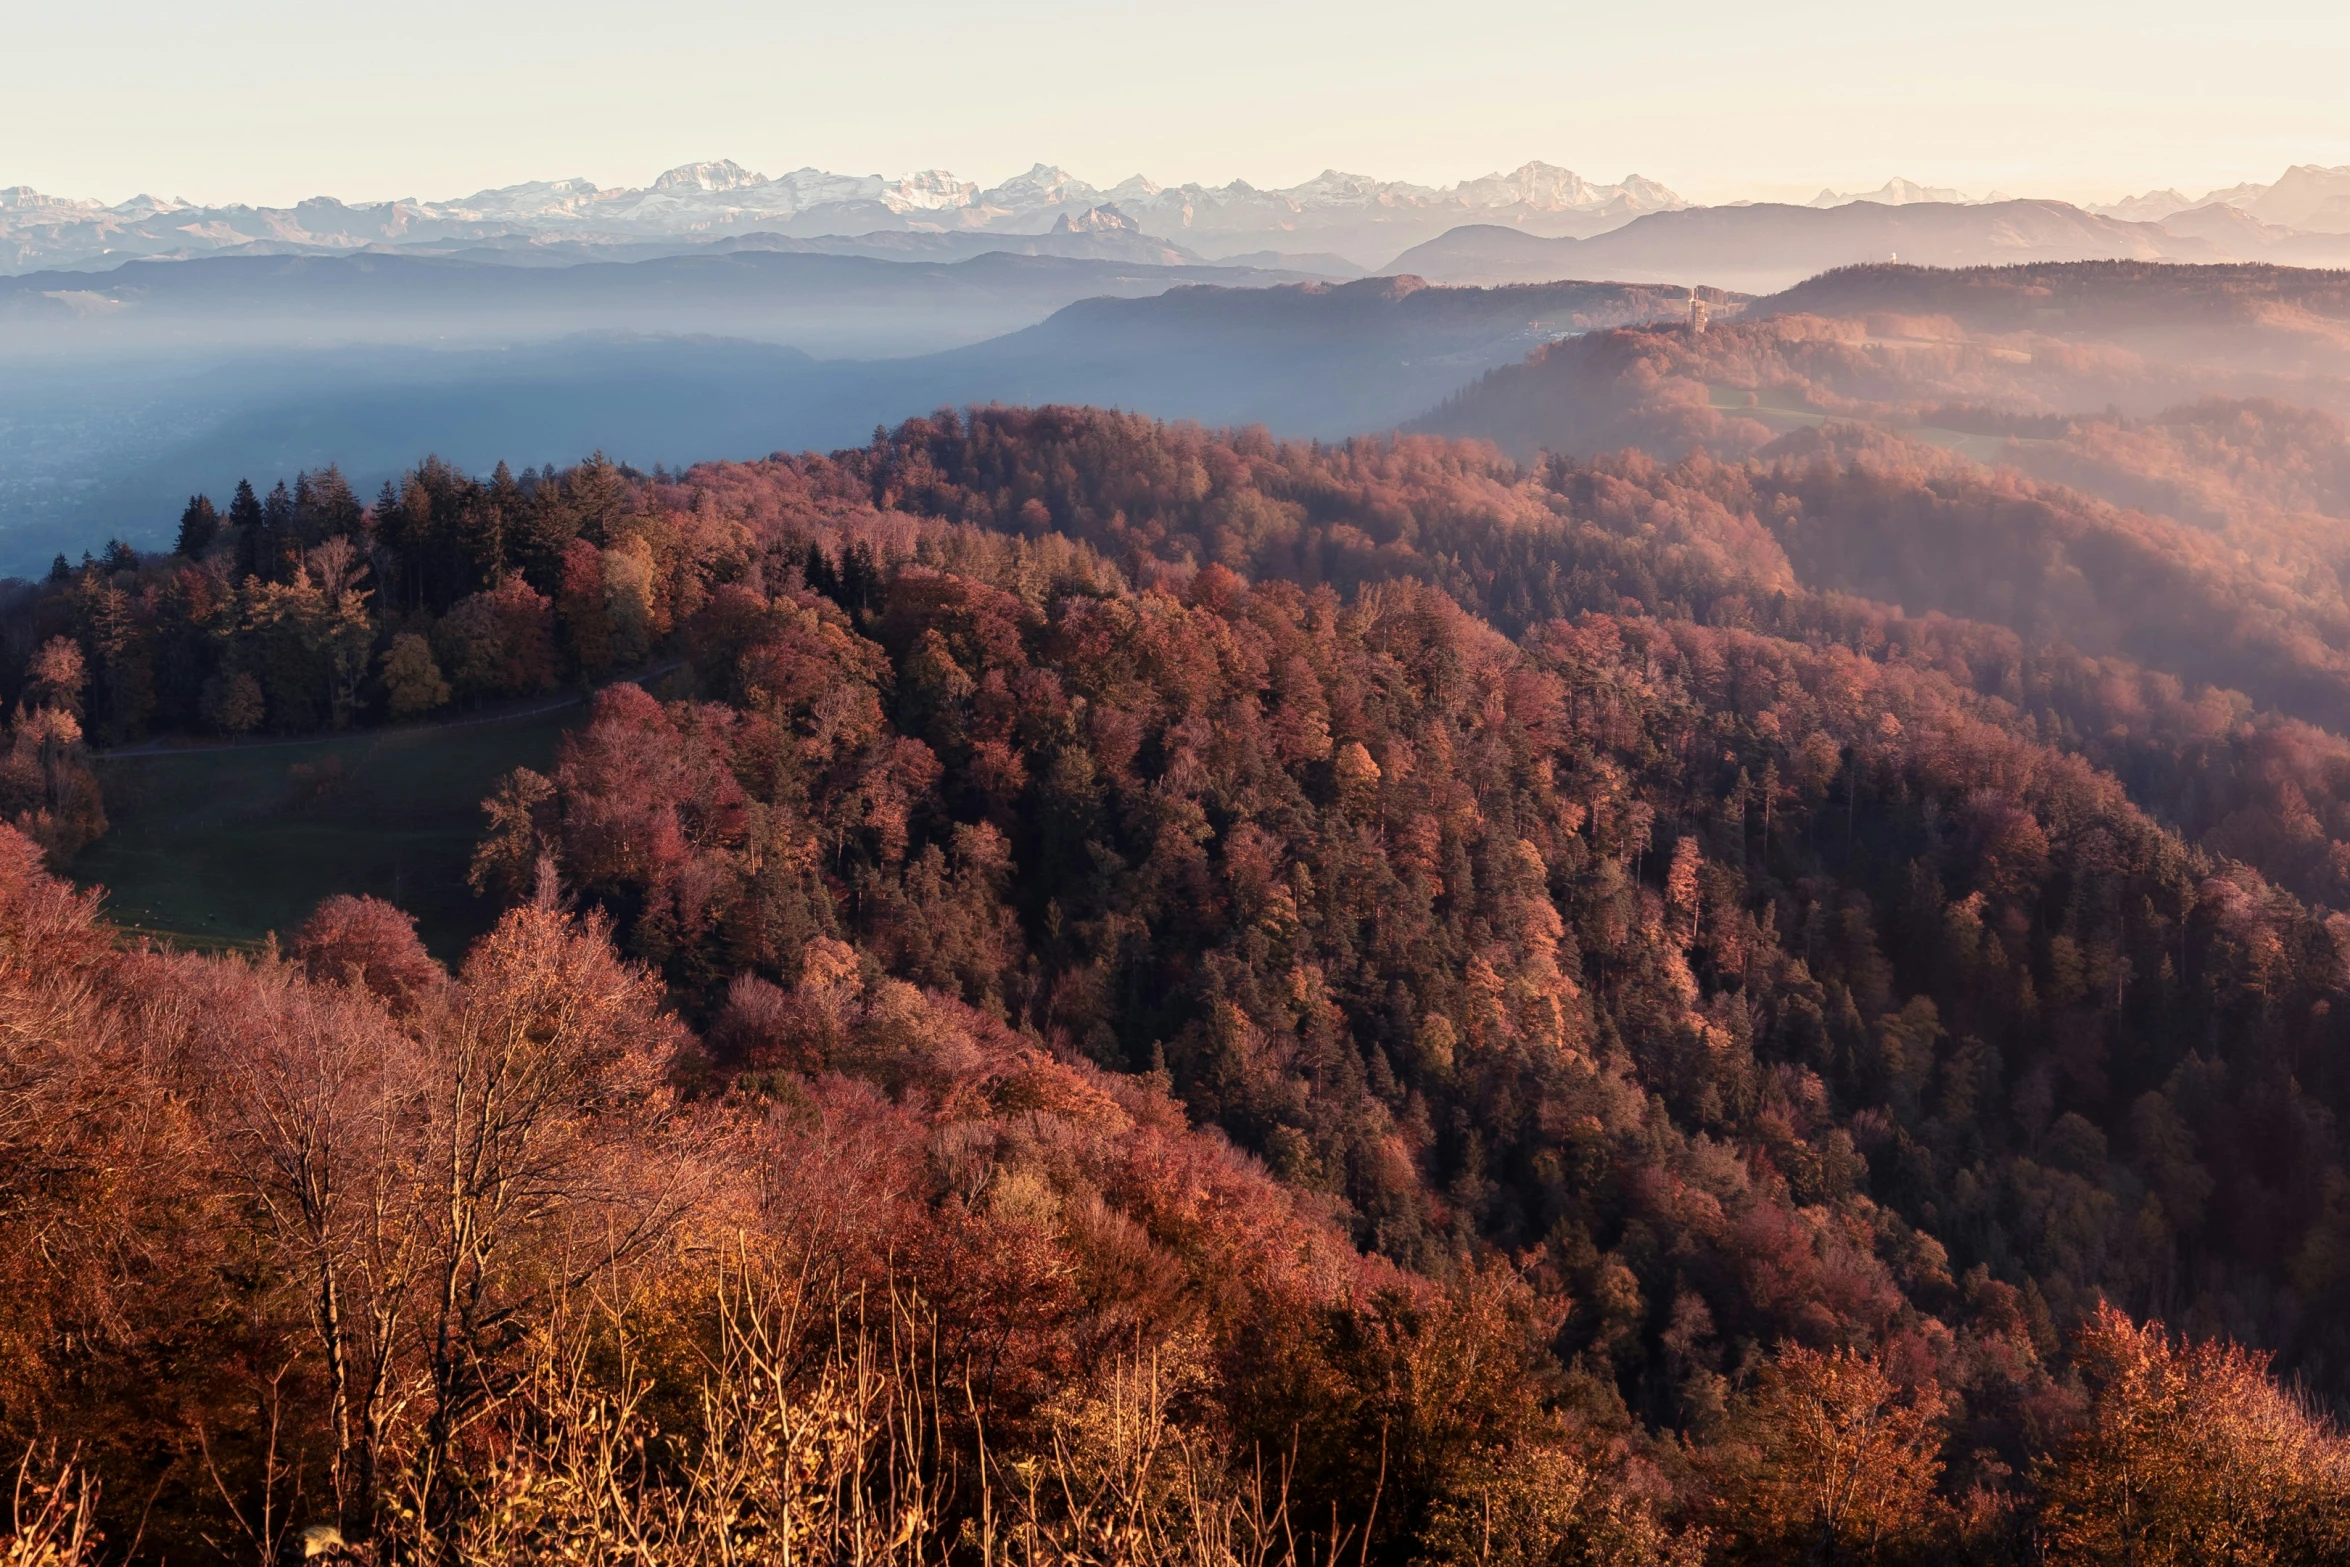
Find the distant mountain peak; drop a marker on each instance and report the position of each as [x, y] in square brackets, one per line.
[2306, 196]
[1895, 192]
[2152, 207]
[720, 174]
[1044, 185]
[1104, 219]
[1365, 218]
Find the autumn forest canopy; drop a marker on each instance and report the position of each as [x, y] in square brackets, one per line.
[1732, 950]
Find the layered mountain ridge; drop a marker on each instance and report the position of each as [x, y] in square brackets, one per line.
[1763, 247]
[1367, 218]
[2306, 197]
[1519, 226]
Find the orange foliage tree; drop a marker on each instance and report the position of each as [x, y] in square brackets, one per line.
[2190, 1453]
[1832, 1460]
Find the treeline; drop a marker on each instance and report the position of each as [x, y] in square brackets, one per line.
[2205, 671]
[306, 610]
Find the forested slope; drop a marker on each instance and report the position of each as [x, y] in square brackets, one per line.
[1453, 996]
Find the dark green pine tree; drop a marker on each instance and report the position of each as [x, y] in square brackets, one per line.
[244, 515]
[244, 510]
[818, 573]
[199, 526]
[324, 506]
[860, 578]
[277, 548]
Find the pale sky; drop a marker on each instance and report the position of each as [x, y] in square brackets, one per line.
[269, 101]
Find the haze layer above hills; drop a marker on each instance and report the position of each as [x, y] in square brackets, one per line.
[367, 361]
[1982, 359]
[114, 447]
[827, 305]
[662, 325]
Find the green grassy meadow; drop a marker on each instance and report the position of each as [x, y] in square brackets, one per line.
[219, 847]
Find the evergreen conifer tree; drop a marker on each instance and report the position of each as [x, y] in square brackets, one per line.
[199, 525]
[244, 509]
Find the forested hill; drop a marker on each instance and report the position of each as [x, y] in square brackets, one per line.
[1306, 359]
[2200, 671]
[1687, 1022]
[2098, 294]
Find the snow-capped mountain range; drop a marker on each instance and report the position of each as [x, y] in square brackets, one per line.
[1898, 192]
[1366, 219]
[2307, 199]
[1338, 224]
